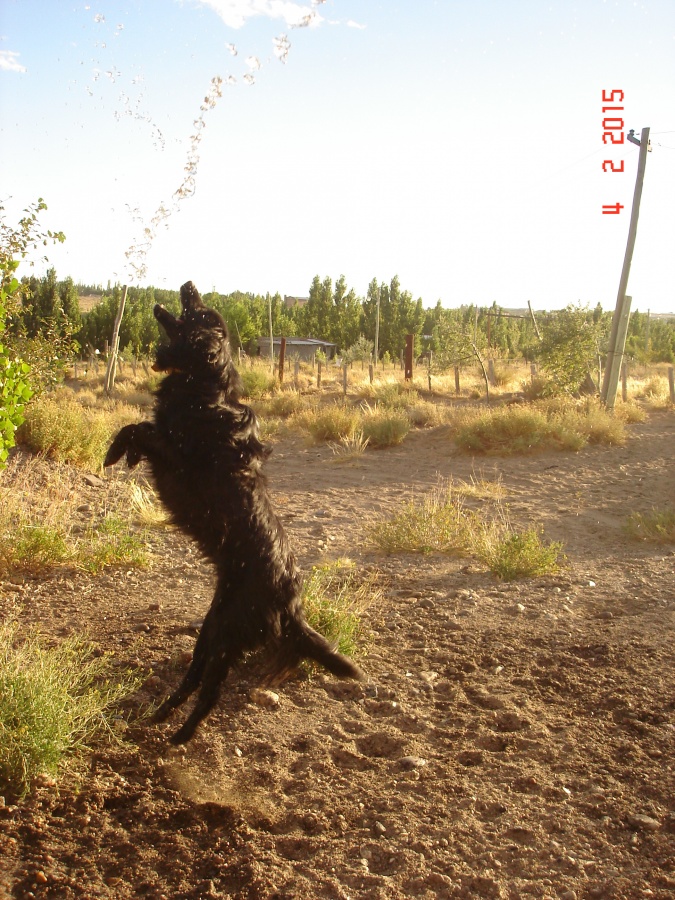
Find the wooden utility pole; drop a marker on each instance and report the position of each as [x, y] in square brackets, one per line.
[112, 359]
[377, 328]
[269, 308]
[621, 313]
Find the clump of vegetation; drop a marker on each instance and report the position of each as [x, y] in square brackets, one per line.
[258, 383]
[510, 555]
[349, 447]
[657, 526]
[59, 427]
[384, 427]
[54, 701]
[441, 523]
[549, 425]
[335, 597]
[28, 546]
[436, 523]
[333, 422]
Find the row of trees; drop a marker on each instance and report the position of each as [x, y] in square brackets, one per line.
[50, 308]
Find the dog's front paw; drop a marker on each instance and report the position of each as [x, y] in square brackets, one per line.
[123, 443]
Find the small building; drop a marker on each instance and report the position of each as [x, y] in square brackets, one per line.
[297, 348]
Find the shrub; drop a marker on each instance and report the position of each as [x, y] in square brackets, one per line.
[54, 700]
[257, 383]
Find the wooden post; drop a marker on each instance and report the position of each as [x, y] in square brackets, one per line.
[282, 359]
[671, 383]
[269, 309]
[624, 381]
[318, 373]
[370, 372]
[112, 359]
[457, 379]
[621, 313]
[409, 357]
[534, 321]
[491, 371]
[296, 373]
[344, 380]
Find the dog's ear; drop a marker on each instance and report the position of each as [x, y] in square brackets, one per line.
[189, 297]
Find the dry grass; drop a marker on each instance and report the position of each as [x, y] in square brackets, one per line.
[57, 425]
[440, 522]
[657, 526]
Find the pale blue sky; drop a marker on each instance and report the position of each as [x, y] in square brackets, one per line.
[455, 144]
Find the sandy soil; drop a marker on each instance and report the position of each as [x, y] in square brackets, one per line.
[513, 740]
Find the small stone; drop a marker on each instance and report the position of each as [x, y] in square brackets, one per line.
[40, 877]
[93, 481]
[196, 624]
[379, 828]
[238, 752]
[569, 895]
[645, 822]
[412, 762]
[426, 603]
[264, 698]
[155, 607]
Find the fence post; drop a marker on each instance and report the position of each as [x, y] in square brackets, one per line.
[344, 380]
[671, 383]
[282, 359]
[370, 372]
[457, 379]
[318, 374]
[624, 381]
[296, 373]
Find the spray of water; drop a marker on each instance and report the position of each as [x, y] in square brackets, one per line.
[137, 253]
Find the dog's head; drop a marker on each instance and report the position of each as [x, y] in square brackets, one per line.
[199, 343]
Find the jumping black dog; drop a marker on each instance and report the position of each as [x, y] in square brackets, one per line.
[206, 457]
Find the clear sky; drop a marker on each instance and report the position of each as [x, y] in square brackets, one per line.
[454, 143]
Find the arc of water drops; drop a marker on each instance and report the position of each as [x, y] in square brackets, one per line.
[137, 253]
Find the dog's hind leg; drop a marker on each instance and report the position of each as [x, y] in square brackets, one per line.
[193, 676]
[215, 672]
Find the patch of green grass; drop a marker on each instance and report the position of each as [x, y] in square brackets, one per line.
[334, 598]
[510, 555]
[54, 700]
[108, 544]
[29, 547]
[657, 526]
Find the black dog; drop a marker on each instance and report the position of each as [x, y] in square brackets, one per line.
[206, 458]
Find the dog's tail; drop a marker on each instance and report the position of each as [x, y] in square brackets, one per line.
[315, 646]
[306, 643]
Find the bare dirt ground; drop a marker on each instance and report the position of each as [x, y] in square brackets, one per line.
[513, 740]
